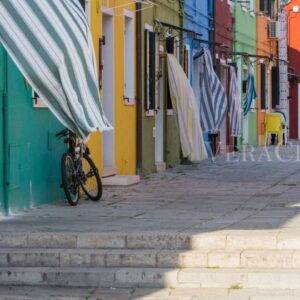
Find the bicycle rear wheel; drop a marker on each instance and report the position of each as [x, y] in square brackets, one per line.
[90, 181]
[69, 179]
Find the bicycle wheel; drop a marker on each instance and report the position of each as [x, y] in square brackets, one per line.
[69, 179]
[90, 179]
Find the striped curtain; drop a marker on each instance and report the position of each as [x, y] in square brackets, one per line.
[213, 100]
[235, 109]
[250, 94]
[51, 44]
[186, 109]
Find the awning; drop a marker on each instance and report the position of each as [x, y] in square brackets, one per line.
[50, 42]
[213, 101]
[186, 109]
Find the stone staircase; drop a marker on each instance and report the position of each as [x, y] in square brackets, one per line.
[223, 265]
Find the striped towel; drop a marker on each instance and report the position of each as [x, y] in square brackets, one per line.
[213, 100]
[235, 109]
[51, 44]
[251, 93]
[186, 109]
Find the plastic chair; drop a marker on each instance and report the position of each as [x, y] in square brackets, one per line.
[274, 125]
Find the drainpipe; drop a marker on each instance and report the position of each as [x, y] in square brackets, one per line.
[139, 85]
[212, 30]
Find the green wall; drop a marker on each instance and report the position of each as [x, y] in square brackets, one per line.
[31, 163]
[169, 12]
[245, 41]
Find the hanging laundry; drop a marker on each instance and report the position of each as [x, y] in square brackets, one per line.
[235, 108]
[186, 109]
[250, 94]
[213, 101]
[50, 42]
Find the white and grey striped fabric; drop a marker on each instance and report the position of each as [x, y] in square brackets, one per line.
[213, 100]
[235, 108]
[50, 42]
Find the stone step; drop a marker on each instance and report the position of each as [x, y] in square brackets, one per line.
[93, 258]
[153, 277]
[223, 240]
[65, 293]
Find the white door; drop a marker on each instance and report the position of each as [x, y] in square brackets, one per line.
[108, 88]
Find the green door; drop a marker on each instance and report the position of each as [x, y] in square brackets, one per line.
[3, 203]
[32, 152]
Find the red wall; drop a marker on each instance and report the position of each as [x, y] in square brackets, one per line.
[294, 64]
[223, 25]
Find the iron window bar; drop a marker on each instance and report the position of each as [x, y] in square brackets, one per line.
[178, 28]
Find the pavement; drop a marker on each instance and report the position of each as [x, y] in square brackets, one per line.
[256, 189]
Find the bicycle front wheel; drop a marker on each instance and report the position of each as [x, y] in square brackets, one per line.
[69, 179]
[91, 182]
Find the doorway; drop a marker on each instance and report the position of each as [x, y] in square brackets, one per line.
[108, 87]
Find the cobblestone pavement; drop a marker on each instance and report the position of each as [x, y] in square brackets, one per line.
[245, 191]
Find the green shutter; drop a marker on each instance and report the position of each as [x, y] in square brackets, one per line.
[263, 86]
[152, 70]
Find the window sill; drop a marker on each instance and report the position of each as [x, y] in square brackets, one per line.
[150, 113]
[129, 100]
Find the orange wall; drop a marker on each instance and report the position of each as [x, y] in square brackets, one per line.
[265, 46]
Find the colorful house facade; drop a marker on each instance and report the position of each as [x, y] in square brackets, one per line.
[293, 22]
[113, 27]
[30, 153]
[245, 42]
[267, 69]
[223, 34]
[159, 144]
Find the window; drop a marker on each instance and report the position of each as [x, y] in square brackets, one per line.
[268, 7]
[150, 67]
[128, 61]
[275, 87]
[263, 86]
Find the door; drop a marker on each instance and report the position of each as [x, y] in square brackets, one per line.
[3, 203]
[108, 88]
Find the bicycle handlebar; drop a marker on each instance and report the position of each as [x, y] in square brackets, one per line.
[62, 133]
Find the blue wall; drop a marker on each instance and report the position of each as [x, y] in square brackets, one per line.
[197, 17]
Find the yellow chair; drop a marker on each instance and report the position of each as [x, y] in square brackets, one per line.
[274, 125]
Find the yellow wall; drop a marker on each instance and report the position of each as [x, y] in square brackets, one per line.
[125, 115]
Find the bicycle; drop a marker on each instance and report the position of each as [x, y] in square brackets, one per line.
[78, 170]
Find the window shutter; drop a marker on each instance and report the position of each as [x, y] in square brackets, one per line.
[150, 64]
[269, 8]
[262, 5]
[262, 86]
[101, 66]
[186, 61]
[275, 86]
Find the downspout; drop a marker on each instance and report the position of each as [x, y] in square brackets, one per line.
[181, 22]
[139, 83]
